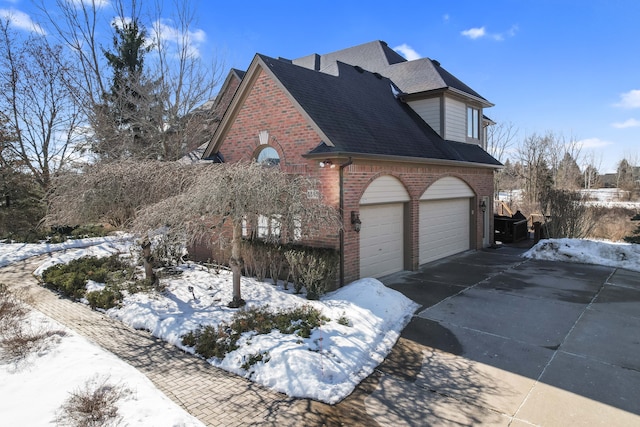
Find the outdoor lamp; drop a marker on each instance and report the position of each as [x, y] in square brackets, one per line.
[483, 206]
[355, 221]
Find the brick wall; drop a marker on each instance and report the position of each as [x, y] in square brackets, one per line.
[267, 108]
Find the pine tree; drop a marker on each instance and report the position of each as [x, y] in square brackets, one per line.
[131, 116]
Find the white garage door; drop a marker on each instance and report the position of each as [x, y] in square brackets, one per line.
[381, 239]
[382, 232]
[444, 224]
[444, 228]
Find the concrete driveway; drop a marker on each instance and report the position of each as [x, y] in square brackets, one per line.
[509, 341]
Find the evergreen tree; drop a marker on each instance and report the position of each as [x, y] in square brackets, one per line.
[130, 118]
[568, 176]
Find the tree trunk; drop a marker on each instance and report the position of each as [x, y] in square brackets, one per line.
[150, 275]
[236, 266]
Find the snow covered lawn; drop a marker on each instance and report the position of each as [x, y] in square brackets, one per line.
[32, 390]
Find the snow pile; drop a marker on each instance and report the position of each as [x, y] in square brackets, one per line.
[34, 389]
[619, 255]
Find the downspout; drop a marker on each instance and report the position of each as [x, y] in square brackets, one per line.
[341, 173]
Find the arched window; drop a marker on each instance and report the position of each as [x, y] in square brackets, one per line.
[268, 156]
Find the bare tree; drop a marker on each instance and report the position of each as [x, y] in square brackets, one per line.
[591, 174]
[37, 104]
[177, 83]
[534, 156]
[224, 195]
[500, 140]
[188, 80]
[113, 193]
[501, 137]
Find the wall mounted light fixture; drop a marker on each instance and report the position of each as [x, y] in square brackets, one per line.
[483, 206]
[327, 164]
[355, 221]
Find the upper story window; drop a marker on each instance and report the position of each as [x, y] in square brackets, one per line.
[473, 123]
[268, 156]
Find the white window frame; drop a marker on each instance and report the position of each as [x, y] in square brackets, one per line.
[473, 122]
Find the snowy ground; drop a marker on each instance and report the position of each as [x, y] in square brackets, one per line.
[604, 197]
[612, 254]
[33, 390]
[325, 367]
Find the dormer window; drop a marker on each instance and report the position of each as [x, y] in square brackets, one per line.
[473, 123]
[268, 156]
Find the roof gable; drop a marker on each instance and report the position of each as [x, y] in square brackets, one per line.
[373, 56]
[411, 77]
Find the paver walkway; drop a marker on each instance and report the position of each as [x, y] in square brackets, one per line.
[212, 395]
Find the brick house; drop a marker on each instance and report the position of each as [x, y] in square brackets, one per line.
[396, 145]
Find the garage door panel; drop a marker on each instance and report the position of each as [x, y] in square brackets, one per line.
[444, 228]
[381, 239]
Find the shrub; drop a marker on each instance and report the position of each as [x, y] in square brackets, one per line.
[611, 223]
[211, 341]
[313, 268]
[570, 217]
[255, 254]
[216, 341]
[105, 299]
[166, 252]
[635, 237]
[255, 358]
[93, 405]
[70, 279]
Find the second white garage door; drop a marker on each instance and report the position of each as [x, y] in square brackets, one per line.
[381, 239]
[444, 228]
[445, 218]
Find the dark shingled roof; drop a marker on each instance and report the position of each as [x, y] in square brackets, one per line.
[411, 77]
[359, 113]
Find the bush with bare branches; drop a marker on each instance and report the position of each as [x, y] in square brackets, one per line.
[568, 215]
[92, 405]
[17, 338]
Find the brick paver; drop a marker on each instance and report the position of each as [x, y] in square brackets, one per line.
[212, 395]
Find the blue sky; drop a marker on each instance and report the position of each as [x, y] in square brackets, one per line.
[569, 67]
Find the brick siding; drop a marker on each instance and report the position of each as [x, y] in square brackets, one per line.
[267, 108]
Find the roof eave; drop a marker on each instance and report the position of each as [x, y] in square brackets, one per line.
[440, 91]
[402, 159]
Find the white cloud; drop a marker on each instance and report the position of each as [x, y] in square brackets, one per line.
[630, 99]
[630, 123]
[99, 4]
[163, 33]
[445, 17]
[474, 33]
[21, 21]
[593, 143]
[477, 33]
[407, 51]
